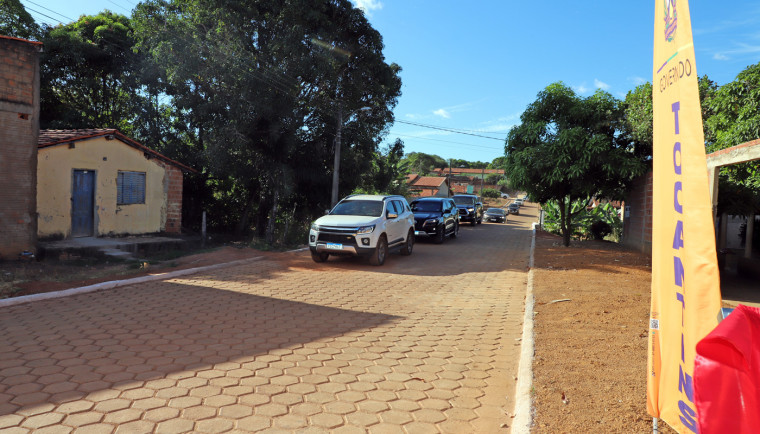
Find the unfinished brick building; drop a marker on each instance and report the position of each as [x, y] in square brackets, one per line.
[19, 128]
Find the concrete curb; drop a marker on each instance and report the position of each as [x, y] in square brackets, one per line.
[523, 413]
[117, 283]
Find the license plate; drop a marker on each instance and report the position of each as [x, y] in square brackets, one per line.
[334, 246]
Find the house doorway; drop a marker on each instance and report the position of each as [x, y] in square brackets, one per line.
[83, 203]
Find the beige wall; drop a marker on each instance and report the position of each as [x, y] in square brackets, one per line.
[106, 158]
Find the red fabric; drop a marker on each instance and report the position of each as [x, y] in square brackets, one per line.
[727, 375]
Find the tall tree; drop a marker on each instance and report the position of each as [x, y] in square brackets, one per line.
[262, 86]
[568, 148]
[88, 74]
[16, 21]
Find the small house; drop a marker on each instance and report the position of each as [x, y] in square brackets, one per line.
[99, 182]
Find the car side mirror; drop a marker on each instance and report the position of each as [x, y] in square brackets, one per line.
[327, 211]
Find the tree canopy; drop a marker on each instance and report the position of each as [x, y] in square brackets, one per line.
[88, 74]
[568, 147]
[261, 87]
[16, 21]
[734, 110]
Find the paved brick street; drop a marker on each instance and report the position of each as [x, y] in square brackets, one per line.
[425, 343]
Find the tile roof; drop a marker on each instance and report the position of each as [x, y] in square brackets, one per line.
[20, 40]
[429, 181]
[49, 138]
[458, 170]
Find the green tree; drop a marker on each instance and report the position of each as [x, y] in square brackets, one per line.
[422, 164]
[385, 175]
[497, 163]
[15, 21]
[493, 178]
[639, 117]
[260, 87]
[735, 119]
[88, 74]
[568, 148]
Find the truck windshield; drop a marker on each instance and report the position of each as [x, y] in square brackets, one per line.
[426, 206]
[369, 208]
[464, 200]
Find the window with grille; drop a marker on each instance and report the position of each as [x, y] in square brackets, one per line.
[130, 188]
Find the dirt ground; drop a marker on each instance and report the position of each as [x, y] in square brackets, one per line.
[19, 278]
[592, 307]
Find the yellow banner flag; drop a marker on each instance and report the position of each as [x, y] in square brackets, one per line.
[685, 280]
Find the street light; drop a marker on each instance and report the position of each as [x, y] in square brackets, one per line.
[336, 164]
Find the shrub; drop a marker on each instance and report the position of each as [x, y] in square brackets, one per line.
[490, 192]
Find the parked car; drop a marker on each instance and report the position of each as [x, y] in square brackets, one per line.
[435, 217]
[364, 225]
[496, 215]
[525, 198]
[470, 208]
[513, 208]
[505, 196]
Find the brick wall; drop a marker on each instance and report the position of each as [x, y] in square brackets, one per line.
[174, 200]
[19, 129]
[637, 225]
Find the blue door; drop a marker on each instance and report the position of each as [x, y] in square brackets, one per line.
[83, 203]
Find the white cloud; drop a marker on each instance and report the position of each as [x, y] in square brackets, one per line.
[442, 113]
[600, 84]
[720, 56]
[581, 88]
[368, 5]
[638, 81]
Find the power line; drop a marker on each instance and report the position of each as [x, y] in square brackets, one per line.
[448, 130]
[114, 3]
[50, 10]
[46, 16]
[448, 141]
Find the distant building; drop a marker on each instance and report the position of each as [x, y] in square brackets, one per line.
[426, 186]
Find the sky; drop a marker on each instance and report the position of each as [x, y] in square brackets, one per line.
[474, 67]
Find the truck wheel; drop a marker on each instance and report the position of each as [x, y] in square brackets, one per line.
[409, 245]
[381, 251]
[440, 235]
[319, 257]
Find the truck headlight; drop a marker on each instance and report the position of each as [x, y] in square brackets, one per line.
[315, 227]
[365, 230]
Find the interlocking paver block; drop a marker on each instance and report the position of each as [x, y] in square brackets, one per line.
[423, 344]
[326, 420]
[175, 426]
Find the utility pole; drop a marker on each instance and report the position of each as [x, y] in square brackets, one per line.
[337, 143]
[336, 163]
[450, 192]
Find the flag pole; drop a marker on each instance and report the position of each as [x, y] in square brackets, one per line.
[654, 426]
